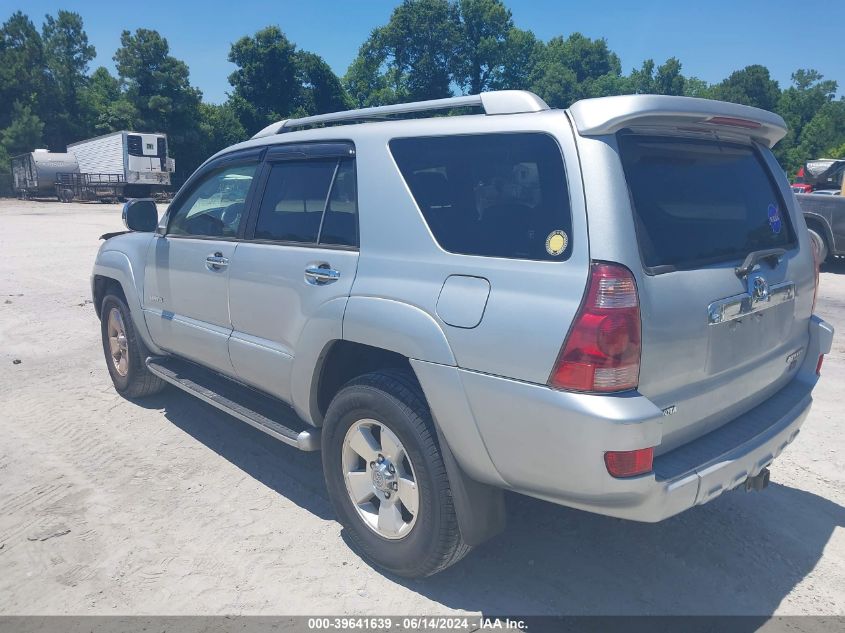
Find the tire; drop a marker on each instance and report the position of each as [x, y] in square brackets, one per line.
[429, 539]
[820, 244]
[130, 375]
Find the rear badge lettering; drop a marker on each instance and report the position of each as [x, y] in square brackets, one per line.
[669, 410]
[792, 359]
[556, 243]
[775, 223]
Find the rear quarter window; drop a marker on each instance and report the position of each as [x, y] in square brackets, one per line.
[698, 202]
[495, 195]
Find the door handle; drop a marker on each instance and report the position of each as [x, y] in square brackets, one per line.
[216, 261]
[321, 275]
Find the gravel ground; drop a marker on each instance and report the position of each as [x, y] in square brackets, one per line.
[171, 507]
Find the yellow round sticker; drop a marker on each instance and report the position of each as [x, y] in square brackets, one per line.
[556, 243]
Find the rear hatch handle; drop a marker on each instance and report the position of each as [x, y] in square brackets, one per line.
[772, 255]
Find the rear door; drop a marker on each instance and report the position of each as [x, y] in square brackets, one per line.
[297, 262]
[717, 339]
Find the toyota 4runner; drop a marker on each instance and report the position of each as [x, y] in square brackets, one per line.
[609, 307]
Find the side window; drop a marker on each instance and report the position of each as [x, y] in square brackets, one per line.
[303, 198]
[497, 195]
[340, 225]
[215, 206]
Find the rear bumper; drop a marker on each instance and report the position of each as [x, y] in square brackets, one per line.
[701, 470]
[550, 444]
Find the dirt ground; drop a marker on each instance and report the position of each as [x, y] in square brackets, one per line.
[171, 507]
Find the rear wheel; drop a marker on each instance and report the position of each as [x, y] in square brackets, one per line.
[125, 353]
[386, 477]
[820, 244]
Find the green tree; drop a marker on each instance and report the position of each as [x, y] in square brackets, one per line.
[555, 82]
[750, 86]
[366, 82]
[669, 80]
[265, 83]
[274, 81]
[220, 127]
[520, 55]
[157, 86]
[24, 133]
[411, 58]
[101, 90]
[695, 87]
[23, 76]
[320, 90]
[666, 79]
[107, 109]
[641, 81]
[156, 83]
[482, 39]
[798, 105]
[824, 132]
[119, 114]
[576, 68]
[67, 54]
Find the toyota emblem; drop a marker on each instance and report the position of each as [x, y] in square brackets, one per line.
[759, 290]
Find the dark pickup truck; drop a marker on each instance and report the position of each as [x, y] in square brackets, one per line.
[825, 217]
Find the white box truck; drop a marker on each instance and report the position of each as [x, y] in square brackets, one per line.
[141, 159]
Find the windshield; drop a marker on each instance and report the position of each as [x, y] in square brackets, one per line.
[700, 201]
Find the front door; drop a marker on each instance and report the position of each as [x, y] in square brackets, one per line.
[296, 264]
[185, 283]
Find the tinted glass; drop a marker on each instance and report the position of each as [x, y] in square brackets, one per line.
[134, 145]
[699, 201]
[294, 200]
[215, 206]
[499, 195]
[340, 226]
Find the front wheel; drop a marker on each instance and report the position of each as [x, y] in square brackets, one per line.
[125, 353]
[386, 478]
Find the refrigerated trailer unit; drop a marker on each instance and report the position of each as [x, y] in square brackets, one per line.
[35, 174]
[140, 158]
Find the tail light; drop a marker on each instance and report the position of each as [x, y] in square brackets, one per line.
[629, 463]
[602, 350]
[819, 365]
[734, 122]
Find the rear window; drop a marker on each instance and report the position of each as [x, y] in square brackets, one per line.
[497, 195]
[699, 201]
[310, 202]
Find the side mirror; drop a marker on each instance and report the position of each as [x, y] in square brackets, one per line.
[140, 214]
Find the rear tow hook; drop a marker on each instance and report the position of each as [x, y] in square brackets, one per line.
[759, 481]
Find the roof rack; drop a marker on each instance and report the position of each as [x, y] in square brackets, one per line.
[496, 102]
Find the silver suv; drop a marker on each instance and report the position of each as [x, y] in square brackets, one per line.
[609, 307]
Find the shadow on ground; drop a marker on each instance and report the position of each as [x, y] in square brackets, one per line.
[834, 265]
[740, 554]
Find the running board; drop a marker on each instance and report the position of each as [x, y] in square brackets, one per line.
[266, 414]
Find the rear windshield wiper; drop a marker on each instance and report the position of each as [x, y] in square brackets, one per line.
[772, 255]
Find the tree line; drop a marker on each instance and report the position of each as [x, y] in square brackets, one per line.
[429, 49]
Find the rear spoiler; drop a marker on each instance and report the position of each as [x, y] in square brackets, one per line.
[608, 115]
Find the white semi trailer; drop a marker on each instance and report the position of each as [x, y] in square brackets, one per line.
[140, 158]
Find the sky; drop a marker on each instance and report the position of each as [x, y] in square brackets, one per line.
[711, 38]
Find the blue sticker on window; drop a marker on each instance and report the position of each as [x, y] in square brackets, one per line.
[775, 222]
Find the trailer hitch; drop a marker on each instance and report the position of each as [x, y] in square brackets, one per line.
[758, 481]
